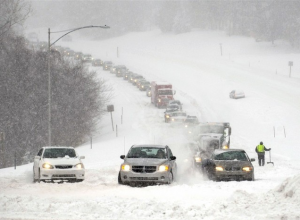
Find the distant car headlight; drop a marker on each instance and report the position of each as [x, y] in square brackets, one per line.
[79, 166]
[142, 86]
[247, 169]
[159, 100]
[225, 147]
[125, 167]
[173, 119]
[163, 168]
[47, 166]
[219, 169]
[167, 116]
[186, 126]
[198, 159]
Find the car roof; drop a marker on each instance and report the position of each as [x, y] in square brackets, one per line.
[177, 112]
[149, 145]
[219, 151]
[47, 147]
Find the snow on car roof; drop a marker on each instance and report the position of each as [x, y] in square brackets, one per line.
[149, 145]
[58, 147]
[219, 151]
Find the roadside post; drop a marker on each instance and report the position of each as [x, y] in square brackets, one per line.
[2, 139]
[290, 65]
[110, 108]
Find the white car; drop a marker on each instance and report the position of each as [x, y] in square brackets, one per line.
[177, 117]
[58, 163]
[236, 94]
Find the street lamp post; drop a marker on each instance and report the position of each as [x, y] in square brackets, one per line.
[49, 69]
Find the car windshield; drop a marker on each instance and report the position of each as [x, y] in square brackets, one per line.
[218, 129]
[165, 92]
[232, 155]
[59, 152]
[191, 120]
[179, 114]
[147, 152]
[210, 144]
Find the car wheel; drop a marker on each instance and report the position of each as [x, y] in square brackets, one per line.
[79, 180]
[37, 180]
[34, 179]
[120, 180]
[252, 177]
[171, 178]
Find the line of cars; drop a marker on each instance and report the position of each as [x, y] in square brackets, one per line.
[209, 145]
[155, 164]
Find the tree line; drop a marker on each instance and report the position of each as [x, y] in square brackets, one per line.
[79, 97]
[263, 20]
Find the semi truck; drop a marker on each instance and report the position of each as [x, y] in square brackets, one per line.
[213, 132]
[161, 93]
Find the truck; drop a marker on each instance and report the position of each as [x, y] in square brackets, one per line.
[213, 132]
[161, 93]
[210, 136]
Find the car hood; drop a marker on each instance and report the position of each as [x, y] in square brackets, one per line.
[229, 163]
[62, 161]
[145, 161]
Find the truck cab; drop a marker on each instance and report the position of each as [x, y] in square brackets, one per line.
[161, 94]
[219, 131]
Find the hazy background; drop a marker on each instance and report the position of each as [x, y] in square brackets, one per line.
[263, 20]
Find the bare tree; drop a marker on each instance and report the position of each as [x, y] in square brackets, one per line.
[13, 12]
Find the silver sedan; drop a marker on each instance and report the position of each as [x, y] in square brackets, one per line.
[148, 164]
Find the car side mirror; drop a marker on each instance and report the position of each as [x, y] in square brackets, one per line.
[173, 158]
[252, 159]
[122, 157]
[37, 157]
[82, 157]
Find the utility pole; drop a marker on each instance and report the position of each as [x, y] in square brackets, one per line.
[2, 139]
[49, 90]
[49, 70]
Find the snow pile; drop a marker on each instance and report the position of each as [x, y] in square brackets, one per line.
[282, 202]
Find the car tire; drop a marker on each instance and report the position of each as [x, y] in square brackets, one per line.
[35, 179]
[39, 177]
[79, 180]
[120, 180]
[171, 178]
[252, 178]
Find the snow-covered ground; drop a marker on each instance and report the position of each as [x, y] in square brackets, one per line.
[202, 79]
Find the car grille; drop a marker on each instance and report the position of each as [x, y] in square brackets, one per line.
[143, 178]
[232, 168]
[144, 169]
[63, 166]
[63, 176]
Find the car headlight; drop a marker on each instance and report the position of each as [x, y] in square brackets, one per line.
[173, 119]
[225, 147]
[159, 100]
[219, 169]
[167, 116]
[47, 166]
[125, 167]
[142, 86]
[163, 168]
[247, 169]
[79, 166]
[198, 159]
[186, 126]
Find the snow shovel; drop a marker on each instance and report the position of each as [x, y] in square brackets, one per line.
[270, 158]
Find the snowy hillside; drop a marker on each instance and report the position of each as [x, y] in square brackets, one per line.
[202, 79]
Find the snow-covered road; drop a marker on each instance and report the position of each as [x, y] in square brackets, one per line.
[203, 80]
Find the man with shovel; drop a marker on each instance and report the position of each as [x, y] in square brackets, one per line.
[260, 150]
